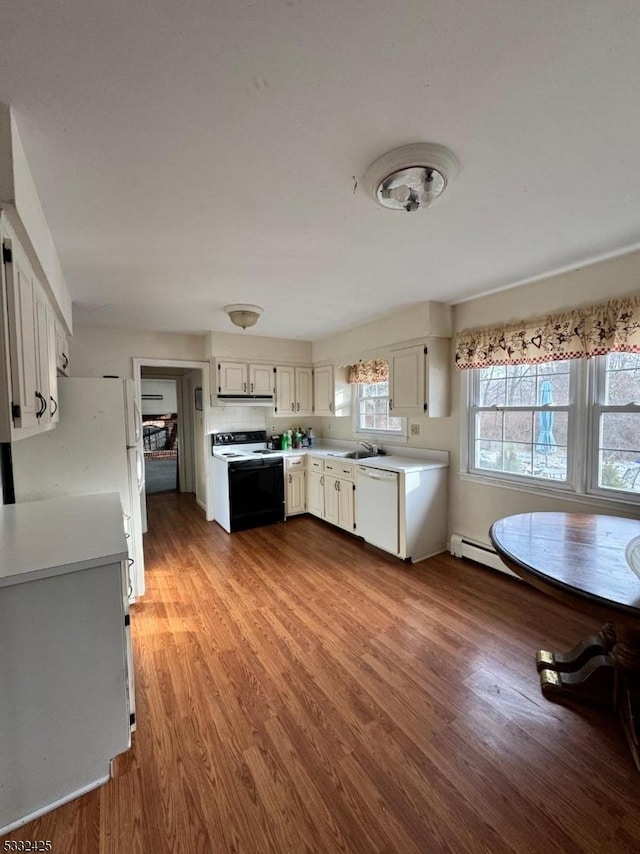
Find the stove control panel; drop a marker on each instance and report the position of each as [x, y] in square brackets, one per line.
[247, 437]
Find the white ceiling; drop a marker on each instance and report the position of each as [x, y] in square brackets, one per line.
[193, 154]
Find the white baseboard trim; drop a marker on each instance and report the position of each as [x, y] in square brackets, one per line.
[201, 504]
[461, 546]
[43, 810]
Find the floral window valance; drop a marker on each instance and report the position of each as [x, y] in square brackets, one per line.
[374, 371]
[579, 334]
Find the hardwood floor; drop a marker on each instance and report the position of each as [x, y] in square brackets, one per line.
[299, 691]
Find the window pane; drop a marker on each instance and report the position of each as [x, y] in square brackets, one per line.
[619, 470]
[620, 431]
[518, 426]
[490, 425]
[525, 385]
[622, 379]
[373, 409]
[529, 444]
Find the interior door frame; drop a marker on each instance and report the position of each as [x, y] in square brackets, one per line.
[201, 454]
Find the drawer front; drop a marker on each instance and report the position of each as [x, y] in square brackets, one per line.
[339, 469]
[295, 463]
[315, 464]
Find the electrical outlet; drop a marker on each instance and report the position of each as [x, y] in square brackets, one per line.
[415, 430]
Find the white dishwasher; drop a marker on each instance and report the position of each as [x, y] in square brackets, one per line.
[377, 508]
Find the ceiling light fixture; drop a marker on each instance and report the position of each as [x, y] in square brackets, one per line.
[243, 314]
[411, 177]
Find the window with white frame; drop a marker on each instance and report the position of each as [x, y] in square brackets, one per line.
[370, 382]
[372, 410]
[568, 424]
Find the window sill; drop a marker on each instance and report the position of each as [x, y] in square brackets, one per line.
[562, 493]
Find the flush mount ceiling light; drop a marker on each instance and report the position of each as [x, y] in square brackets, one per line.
[243, 314]
[411, 177]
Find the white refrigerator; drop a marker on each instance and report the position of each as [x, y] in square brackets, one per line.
[96, 447]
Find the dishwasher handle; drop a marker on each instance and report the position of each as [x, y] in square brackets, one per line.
[377, 474]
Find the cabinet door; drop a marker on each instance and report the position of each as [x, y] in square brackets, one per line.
[43, 377]
[285, 390]
[323, 390]
[22, 338]
[346, 502]
[232, 378]
[62, 351]
[304, 391]
[295, 492]
[52, 343]
[438, 372]
[315, 493]
[331, 509]
[407, 381]
[261, 379]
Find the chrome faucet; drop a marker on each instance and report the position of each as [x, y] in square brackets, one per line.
[368, 446]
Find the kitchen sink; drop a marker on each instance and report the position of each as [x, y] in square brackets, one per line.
[355, 455]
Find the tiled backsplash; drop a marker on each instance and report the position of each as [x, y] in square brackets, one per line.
[239, 418]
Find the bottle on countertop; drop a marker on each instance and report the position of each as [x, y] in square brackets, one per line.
[310, 437]
[283, 441]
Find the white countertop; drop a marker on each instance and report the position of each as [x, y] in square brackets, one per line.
[388, 462]
[39, 539]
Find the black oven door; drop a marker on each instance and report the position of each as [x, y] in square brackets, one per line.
[256, 492]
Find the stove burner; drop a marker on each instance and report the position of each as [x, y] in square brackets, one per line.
[263, 451]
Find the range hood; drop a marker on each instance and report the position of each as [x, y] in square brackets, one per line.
[243, 400]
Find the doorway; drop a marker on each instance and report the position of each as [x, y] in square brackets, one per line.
[176, 412]
[161, 440]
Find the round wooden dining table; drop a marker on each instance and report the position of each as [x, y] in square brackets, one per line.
[579, 558]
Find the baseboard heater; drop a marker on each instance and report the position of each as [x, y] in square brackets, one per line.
[460, 546]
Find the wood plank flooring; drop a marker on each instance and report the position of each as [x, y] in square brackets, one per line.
[299, 691]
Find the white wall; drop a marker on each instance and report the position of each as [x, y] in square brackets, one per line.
[364, 341]
[474, 506]
[258, 348]
[166, 388]
[96, 351]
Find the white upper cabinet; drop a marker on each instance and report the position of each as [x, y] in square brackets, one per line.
[232, 378]
[261, 379]
[52, 343]
[29, 351]
[241, 379]
[62, 351]
[22, 337]
[43, 351]
[419, 379]
[332, 393]
[294, 390]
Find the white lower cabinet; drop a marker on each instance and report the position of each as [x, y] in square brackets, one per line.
[330, 492]
[339, 494]
[315, 491]
[295, 486]
[67, 701]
